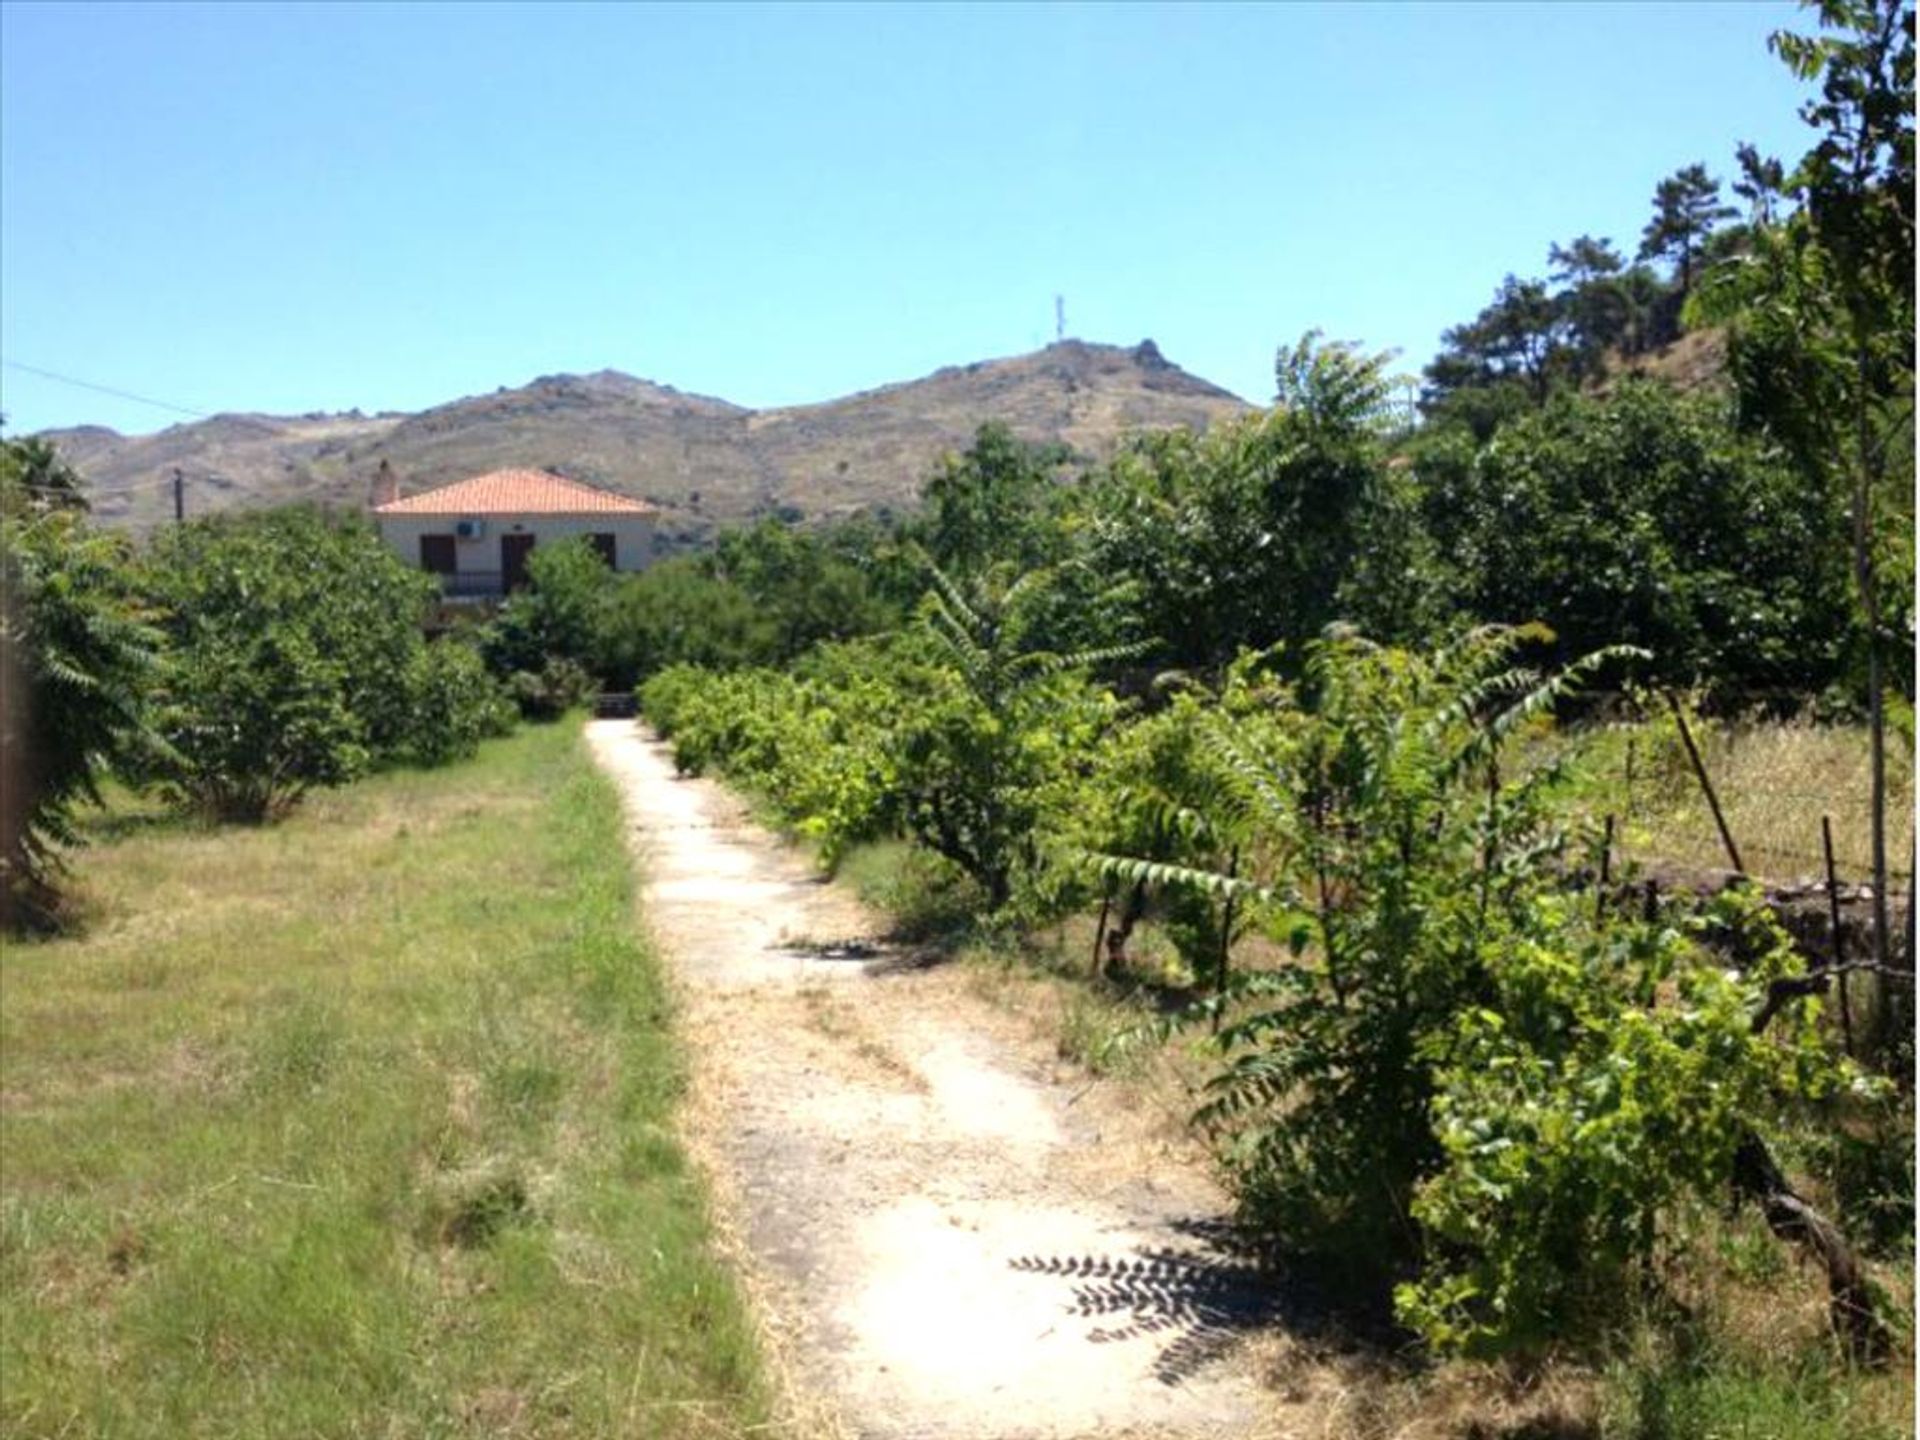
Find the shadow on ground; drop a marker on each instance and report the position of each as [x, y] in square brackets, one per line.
[1548, 1427]
[1201, 1301]
[879, 958]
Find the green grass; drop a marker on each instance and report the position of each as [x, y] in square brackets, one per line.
[1718, 1396]
[360, 1125]
[925, 897]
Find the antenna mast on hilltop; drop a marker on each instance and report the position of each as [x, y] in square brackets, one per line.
[1059, 318]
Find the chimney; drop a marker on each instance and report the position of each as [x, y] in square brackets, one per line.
[386, 485]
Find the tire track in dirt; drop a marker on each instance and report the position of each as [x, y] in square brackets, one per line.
[954, 1244]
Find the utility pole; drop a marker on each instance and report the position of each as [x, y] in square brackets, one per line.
[179, 496]
[1059, 318]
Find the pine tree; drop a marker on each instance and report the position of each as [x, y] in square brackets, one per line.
[1686, 208]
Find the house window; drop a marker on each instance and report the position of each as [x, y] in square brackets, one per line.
[436, 554]
[603, 543]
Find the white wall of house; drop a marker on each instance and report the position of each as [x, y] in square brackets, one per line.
[632, 537]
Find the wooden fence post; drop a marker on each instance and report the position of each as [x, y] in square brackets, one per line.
[1226, 942]
[1100, 931]
[1606, 871]
[1839, 939]
[1706, 785]
[1628, 810]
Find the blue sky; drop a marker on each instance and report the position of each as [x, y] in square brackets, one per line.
[288, 209]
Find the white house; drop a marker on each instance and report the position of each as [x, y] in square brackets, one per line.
[475, 534]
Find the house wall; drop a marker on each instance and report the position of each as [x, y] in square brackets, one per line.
[632, 543]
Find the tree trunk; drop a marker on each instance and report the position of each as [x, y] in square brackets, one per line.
[1865, 579]
[1850, 1299]
[1130, 913]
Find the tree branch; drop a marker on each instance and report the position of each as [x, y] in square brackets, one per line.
[1781, 993]
[1850, 1298]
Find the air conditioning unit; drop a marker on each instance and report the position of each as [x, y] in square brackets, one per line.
[470, 529]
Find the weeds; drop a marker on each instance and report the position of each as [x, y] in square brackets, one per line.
[927, 899]
[1695, 1387]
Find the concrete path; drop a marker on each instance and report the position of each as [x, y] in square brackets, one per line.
[957, 1244]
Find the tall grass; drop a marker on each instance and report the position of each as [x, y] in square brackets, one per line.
[360, 1125]
[1663, 1391]
[1775, 779]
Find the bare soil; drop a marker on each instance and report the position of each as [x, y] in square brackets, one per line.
[706, 462]
[955, 1236]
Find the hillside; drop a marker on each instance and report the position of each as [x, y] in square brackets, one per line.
[707, 462]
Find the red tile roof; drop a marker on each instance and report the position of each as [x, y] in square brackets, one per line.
[516, 492]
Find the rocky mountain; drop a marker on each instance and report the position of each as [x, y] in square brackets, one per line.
[707, 462]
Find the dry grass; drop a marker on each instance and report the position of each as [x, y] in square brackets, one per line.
[834, 1016]
[1775, 780]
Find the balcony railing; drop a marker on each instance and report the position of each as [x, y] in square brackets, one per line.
[473, 585]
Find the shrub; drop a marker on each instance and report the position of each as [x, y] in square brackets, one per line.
[558, 686]
[951, 734]
[924, 897]
[993, 739]
[1466, 1080]
[456, 704]
[814, 745]
[1157, 793]
[1606, 1081]
[295, 658]
[254, 721]
[76, 662]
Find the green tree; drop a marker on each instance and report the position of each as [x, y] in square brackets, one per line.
[560, 614]
[1821, 325]
[292, 659]
[1522, 332]
[764, 595]
[1859, 186]
[991, 736]
[678, 613]
[1686, 209]
[1762, 184]
[810, 589]
[76, 665]
[37, 480]
[1640, 517]
[1599, 298]
[1533, 339]
[991, 503]
[1582, 260]
[1260, 530]
[1180, 520]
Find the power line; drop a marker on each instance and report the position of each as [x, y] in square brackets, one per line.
[105, 389]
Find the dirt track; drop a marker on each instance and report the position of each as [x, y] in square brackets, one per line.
[954, 1243]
